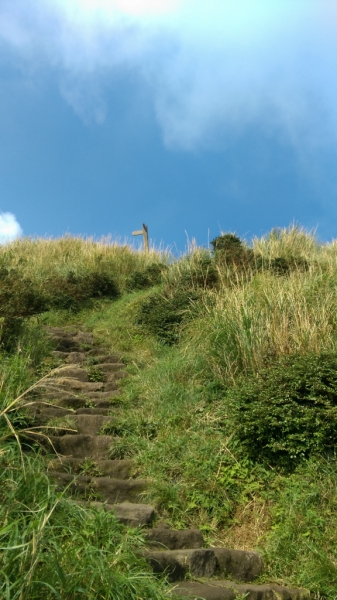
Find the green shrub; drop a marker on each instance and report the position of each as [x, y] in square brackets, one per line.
[148, 277]
[282, 265]
[72, 290]
[229, 251]
[289, 411]
[162, 315]
[19, 299]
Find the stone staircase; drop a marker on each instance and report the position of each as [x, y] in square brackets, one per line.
[80, 399]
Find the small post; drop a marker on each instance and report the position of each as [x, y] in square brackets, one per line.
[145, 233]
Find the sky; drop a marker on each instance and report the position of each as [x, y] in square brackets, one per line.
[193, 116]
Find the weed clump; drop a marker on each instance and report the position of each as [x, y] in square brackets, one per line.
[72, 290]
[289, 411]
[230, 251]
[145, 278]
[162, 315]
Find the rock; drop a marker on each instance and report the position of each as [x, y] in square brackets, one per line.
[117, 469]
[177, 563]
[111, 386]
[90, 424]
[134, 515]
[70, 372]
[93, 411]
[110, 490]
[228, 590]
[61, 355]
[69, 384]
[83, 446]
[128, 513]
[84, 338]
[242, 565]
[174, 539]
[76, 358]
[110, 367]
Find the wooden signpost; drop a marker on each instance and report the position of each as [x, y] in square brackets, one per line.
[145, 233]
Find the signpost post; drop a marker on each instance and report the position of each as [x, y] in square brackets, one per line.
[145, 233]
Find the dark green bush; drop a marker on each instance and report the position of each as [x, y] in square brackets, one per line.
[281, 265]
[289, 411]
[19, 299]
[71, 291]
[199, 272]
[229, 251]
[163, 315]
[148, 277]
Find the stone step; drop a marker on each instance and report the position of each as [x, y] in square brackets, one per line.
[115, 376]
[42, 412]
[228, 590]
[110, 490]
[242, 565]
[70, 372]
[76, 358]
[90, 424]
[117, 469]
[177, 564]
[239, 564]
[93, 411]
[175, 539]
[112, 394]
[61, 355]
[110, 367]
[68, 384]
[128, 513]
[84, 338]
[66, 344]
[100, 352]
[111, 384]
[82, 446]
[105, 359]
[60, 332]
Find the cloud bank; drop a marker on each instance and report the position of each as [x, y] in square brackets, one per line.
[212, 67]
[9, 228]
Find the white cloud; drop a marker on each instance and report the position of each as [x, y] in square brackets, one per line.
[213, 67]
[9, 228]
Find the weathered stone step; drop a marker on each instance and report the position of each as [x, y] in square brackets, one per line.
[82, 446]
[118, 469]
[102, 352]
[104, 359]
[66, 344]
[76, 358]
[109, 367]
[174, 539]
[93, 411]
[176, 564]
[239, 564]
[128, 513]
[43, 412]
[69, 372]
[101, 395]
[61, 355]
[77, 403]
[110, 490]
[244, 566]
[69, 384]
[228, 590]
[59, 332]
[90, 424]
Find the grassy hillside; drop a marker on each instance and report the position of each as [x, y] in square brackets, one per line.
[231, 404]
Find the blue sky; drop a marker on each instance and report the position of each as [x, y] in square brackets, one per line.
[193, 116]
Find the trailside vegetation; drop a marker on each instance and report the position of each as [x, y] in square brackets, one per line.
[231, 406]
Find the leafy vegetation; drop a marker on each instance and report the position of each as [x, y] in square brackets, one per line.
[229, 405]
